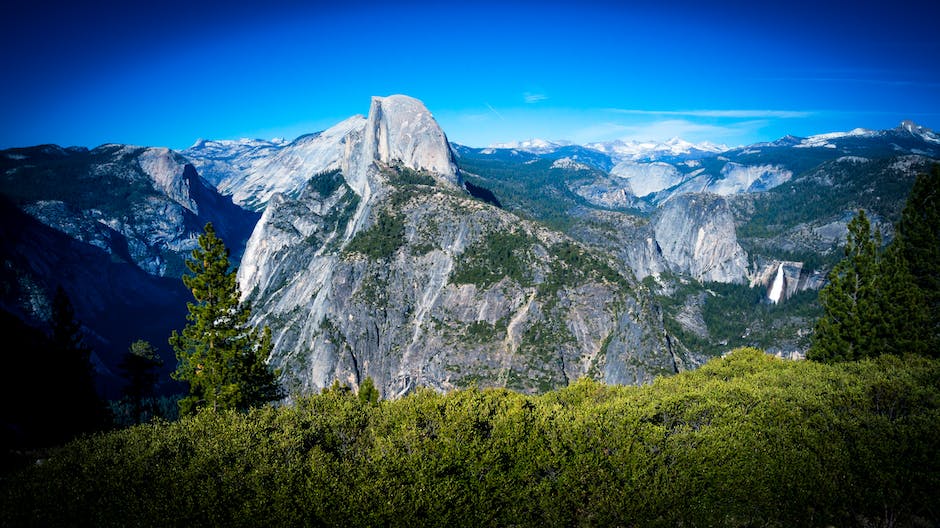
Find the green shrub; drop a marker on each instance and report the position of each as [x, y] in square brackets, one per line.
[745, 440]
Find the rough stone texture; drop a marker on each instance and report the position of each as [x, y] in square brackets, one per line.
[398, 130]
[141, 205]
[111, 226]
[254, 175]
[402, 319]
[645, 178]
[399, 315]
[401, 130]
[696, 233]
[166, 169]
[630, 238]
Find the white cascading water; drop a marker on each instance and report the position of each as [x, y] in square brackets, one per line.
[776, 290]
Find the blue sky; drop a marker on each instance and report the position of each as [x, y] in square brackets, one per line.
[168, 73]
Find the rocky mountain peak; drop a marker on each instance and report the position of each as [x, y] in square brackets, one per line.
[166, 169]
[401, 130]
[696, 233]
[909, 127]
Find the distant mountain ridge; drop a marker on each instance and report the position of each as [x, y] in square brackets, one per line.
[373, 258]
[112, 227]
[386, 267]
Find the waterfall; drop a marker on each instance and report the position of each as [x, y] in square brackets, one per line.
[776, 290]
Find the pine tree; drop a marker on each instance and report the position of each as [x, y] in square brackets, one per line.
[367, 391]
[918, 242]
[72, 376]
[902, 322]
[849, 326]
[219, 355]
[140, 368]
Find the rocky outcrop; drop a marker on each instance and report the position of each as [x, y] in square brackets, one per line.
[388, 268]
[252, 176]
[112, 227]
[141, 205]
[442, 290]
[643, 179]
[398, 130]
[696, 234]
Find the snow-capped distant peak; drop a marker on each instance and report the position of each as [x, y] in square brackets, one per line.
[651, 150]
[823, 140]
[914, 129]
[235, 143]
[535, 145]
[568, 163]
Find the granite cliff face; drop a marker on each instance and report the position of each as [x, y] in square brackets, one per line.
[142, 205]
[696, 234]
[398, 128]
[111, 226]
[386, 267]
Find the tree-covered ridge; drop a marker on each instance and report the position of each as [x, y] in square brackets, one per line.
[745, 440]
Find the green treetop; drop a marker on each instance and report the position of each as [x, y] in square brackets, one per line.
[846, 332]
[140, 369]
[886, 302]
[918, 242]
[219, 355]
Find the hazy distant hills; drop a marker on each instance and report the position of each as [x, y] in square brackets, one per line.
[618, 261]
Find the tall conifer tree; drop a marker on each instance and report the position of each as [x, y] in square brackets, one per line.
[218, 354]
[848, 328]
[140, 369]
[918, 242]
[73, 376]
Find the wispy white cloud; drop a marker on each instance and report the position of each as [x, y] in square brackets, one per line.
[532, 98]
[500, 116]
[732, 114]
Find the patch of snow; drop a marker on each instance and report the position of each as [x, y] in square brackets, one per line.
[822, 140]
[568, 163]
[621, 150]
[255, 170]
[535, 145]
[852, 159]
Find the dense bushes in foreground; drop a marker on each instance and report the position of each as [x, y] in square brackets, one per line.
[745, 440]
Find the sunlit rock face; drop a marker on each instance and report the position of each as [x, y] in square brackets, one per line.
[385, 267]
[696, 235]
